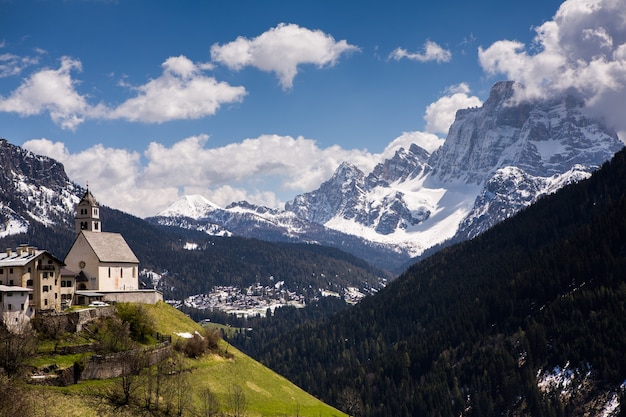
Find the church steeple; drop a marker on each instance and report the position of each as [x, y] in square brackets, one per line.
[87, 214]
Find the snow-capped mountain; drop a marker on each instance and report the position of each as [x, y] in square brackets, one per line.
[496, 160]
[244, 219]
[33, 188]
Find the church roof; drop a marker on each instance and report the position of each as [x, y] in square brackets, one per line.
[89, 199]
[110, 247]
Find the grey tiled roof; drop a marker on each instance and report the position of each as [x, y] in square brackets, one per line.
[21, 258]
[110, 247]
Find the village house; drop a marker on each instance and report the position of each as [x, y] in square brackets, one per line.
[30, 281]
[14, 305]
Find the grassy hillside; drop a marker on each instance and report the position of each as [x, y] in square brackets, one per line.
[266, 393]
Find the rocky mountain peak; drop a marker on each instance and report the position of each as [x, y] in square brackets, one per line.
[545, 136]
[402, 166]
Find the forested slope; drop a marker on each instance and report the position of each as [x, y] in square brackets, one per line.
[467, 330]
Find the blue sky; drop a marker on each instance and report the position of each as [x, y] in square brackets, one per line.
[261, 100]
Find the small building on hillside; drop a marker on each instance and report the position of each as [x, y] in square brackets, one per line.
[14, 306]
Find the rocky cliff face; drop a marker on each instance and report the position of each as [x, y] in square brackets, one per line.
[33, 188]
[542, 138]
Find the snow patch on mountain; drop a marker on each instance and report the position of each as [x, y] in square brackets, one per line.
[191, 206]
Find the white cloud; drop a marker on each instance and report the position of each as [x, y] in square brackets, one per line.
[432, 52]
[582, 50]
[181, 92]
[259, 170]
[440, 115]
[52, 91]
[428, 141]
[11, 64]
[281, 50]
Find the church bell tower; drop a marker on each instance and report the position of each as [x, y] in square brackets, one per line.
[87, 214]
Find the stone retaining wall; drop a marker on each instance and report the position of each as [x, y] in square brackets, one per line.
[115, 365]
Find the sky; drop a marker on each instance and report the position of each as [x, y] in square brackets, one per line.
[147, 101]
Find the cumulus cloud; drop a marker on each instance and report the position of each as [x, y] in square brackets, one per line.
[581, 50]
[440, 115]
[258, 170]
[52, 91]
[432, 52]
[428, 141]
[282, 50]
[181, 92]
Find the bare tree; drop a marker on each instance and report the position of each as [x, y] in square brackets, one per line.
[131, 363]
[350, 401]
[16, 347]
[13, 398]
[209, 404]
[52, 326]
[237, 402]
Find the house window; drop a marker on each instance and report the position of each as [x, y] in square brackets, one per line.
[45, 302]
[109, 272]
[45, 288]
[10, 270]
[11, 282]
[95, 225]
[22, 307]
[45, 275]
[29, 283]
[1, 270]
[10, 307]
[56, 295]
[83, 225]
[30, 297]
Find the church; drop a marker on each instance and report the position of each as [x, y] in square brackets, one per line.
[107, 269]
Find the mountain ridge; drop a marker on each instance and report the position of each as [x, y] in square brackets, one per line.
[496, 160]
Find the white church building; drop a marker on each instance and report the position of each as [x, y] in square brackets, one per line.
[108, 270]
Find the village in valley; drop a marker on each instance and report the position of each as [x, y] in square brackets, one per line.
[256, 300]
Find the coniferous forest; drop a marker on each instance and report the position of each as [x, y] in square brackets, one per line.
[467, 330]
